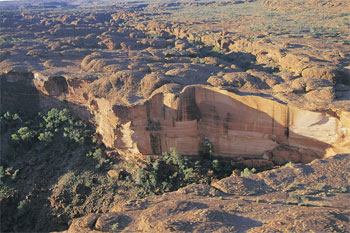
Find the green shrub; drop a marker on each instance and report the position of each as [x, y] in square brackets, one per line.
[2, 173]
[288, 164]
[46, 137]
[216, 165]
[74, 131]
[44, 128]
[73, 135]
[56, 116]
[173, 171]
[304, 199]
[6, 191]
[115, 226]
[26, 134]
[8, 120]
[15, 138]
[217, 50]
[221, 168]
[207, 148]
[22, 205]
[7, 116]
[15, 117]
[197, 60]
[343, 189]
[98, 154]
[154, 36]
[168, 173]
[247, 172]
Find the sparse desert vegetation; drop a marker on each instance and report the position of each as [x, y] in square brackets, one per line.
[159, 116]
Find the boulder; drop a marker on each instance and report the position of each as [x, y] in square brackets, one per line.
[106, 221]
[83, 224]
[284, 154]
[327, 73]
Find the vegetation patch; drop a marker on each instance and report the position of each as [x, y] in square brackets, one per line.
[44, 164]
[74, 175]
[172, 171]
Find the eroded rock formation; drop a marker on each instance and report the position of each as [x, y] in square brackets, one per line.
[235, 125]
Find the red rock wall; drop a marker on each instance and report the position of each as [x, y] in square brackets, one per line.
[235, 125]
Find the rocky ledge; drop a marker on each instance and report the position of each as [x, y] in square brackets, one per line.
[294, 198]
[233, 124]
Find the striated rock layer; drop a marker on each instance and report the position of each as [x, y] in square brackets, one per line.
[235, 125]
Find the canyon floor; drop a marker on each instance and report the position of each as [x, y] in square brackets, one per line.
[255, 84]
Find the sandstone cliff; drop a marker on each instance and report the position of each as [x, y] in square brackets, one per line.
[235, 125]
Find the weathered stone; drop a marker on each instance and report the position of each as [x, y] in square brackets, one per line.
[114, 174]
[83, 224]
[253, 163]
[282, 155]
[106, 221]
[235, 125]
[241, 186]
[319, 72]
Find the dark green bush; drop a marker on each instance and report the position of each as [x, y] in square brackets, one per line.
[2, 173]
[98, 154]
[74, 131]
[24, 136]
[8, 120]
[22, 205]
[221, 168]
[173, 171]
[207, 148]
[46, 137]
[44, 128]
[167, 173]
[247, 172]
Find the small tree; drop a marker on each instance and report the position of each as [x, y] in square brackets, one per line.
[46, 137]
[26, 134]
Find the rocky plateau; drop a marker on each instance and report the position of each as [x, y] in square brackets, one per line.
[262, 82]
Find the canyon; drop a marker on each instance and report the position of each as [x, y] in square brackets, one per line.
[243, 125]
[234, 87]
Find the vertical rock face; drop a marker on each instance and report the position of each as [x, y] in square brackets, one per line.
[18, 94]
[235, 125]
[330, 130]
[246, 125]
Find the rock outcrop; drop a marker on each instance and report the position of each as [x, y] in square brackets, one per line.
[260, 89]
[236, 125]
[284, 199]
[150, 85]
